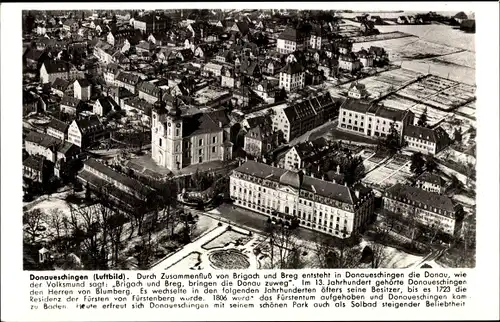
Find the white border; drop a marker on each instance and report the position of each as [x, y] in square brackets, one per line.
[484, 289]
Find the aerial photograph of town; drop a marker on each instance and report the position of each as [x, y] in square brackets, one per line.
[202, 139]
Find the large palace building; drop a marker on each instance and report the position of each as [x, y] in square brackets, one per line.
[286, 195]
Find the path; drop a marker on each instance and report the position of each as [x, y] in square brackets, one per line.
[189, 248]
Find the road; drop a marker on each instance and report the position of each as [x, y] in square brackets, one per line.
[252, 220]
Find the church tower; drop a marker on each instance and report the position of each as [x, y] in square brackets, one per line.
[158, 140]
[173, 135]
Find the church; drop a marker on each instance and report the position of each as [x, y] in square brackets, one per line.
[178, 140]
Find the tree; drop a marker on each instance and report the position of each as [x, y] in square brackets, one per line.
[32, 223]
[417, 163]
[457, 136]
[347, 256]
[56, 221]
[325, 251]
[430, 164]
[28, 23]
[422, 121]
[116, 227]
[88, 193]
[113, 19]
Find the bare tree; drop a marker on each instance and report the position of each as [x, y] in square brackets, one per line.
[378, 255]
[32, 222]
[325, 251]
[56, 221]
[286, 241]
[116, 225]
[348, 257]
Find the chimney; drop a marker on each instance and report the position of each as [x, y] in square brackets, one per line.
[220, 124]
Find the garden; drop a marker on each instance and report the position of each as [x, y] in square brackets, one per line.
[228, 259]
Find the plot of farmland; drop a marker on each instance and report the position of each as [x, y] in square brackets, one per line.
[397, 77]
[433, 115]
[465, 58]
[394, 171]
[379, 37]
[409, 48]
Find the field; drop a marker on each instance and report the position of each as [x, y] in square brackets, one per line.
[390, 173]
[465, 58]
[409, 48]
[381, 83]
[384, 36]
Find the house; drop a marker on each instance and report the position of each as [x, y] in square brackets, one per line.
[121, 189]
[428, 208]
[145, 48]
[459, 17]
[103, 52]
[185, 55]
[120, 58]
[317, 37]
[299, 156]
[181, 140]
[225, 56]
[204, 50]
[301, 117]
[271, 66]
[431, 182]
[372, 119]
[366, 58]
[402, 20]
[344, 47]
[149, 92]
[33, 58]
[52, 69]
[240, 27]
[211, 69]
[61, 87]
[36, 169]
[166, 56]
[70, 25]
[227, 77]
[349, 63]
[150, 23]
[250, 68]
[292, 39]
[267, 90]
[158, 38]
[85, 131]
[138, 106]
[119, 95]
[292, 77]
[42, 144]
[379, 54]
[329, 67]
[104, 105]
[58, 129]
[117, 38]
[285, 195]
[110, 72]
[426, 140]
[71, 105]
[82, 89]
[357, 91]
[127, 80]
[260, 140]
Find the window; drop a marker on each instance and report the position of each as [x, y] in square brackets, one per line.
[159, 143]
[176, 132]
[214, 139]
[200, 142]
[200, 151]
